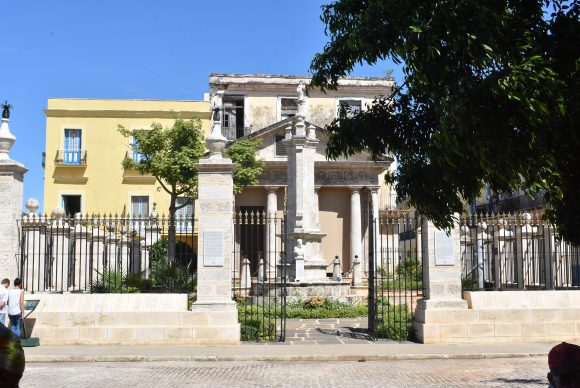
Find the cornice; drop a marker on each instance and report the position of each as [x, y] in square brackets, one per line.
[150, 114]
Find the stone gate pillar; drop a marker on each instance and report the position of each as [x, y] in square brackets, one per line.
[214, 302]
[441, 311]
[11, 187]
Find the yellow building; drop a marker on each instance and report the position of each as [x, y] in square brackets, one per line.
[84, 152]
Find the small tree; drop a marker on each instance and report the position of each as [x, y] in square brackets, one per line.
[248, 166]
[170, 155]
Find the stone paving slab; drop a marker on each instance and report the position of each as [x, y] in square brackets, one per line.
[327, 331]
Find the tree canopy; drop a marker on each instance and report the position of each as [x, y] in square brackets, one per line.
[490, 94]
[169, 154]
[248, 166]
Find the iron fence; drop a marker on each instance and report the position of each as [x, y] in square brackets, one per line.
[518, 251]
[395, 275]
[259, 274]
[106, 254]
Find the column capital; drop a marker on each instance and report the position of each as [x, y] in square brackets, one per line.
[354, 189]
[373, 189]
[271, 189]
[316, 188]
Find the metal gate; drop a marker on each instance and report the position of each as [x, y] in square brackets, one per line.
[395, 274]
[259, 274]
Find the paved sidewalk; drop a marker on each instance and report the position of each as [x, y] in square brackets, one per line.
[283, 352]
[331, 331]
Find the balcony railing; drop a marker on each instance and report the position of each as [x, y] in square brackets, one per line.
[71, 158]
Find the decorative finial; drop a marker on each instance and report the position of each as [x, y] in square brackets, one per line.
[216, 142]
[32, 205]
[6, 138]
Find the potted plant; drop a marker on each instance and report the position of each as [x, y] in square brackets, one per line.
[6, 107]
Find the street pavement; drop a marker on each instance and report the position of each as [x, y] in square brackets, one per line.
[497, 372]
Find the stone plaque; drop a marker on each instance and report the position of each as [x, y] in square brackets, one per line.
[213, 248]
[444, 253]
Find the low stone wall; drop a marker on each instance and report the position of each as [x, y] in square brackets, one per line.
[127, 319]
[504, 316]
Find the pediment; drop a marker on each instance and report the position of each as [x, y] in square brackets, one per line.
[271, 134]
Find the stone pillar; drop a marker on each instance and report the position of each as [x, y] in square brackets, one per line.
[216, 242]
[303, 228]
[442, 302]
[272, 257]
[355, 223]
[11, 188]
[356, 271]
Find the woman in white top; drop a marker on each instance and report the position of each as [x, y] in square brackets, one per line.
[16, 307]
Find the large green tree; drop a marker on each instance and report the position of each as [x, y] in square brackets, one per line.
[170, 154]
[490, 94]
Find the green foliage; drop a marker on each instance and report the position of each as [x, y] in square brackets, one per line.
[410, 268]
[173, 276]
[320, 308]
[178, 275]
[394, 322]
[113, 281]
[491, 93]
[169, 154]
[248, 166]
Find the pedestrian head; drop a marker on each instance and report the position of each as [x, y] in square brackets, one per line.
[5, 282]
[564, 363]
[17, 282]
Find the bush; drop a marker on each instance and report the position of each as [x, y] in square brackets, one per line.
[112, 281]
[176, 276]
[320, 308]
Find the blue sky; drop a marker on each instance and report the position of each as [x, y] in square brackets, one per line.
[142, 50]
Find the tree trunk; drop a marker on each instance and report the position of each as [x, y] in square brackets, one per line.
[171, 232]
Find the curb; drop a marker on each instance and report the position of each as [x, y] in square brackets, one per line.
[311, 357]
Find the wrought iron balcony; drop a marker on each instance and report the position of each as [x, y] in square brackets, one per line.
[71, 158]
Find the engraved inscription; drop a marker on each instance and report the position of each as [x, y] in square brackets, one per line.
[444, 252]
[213, 248]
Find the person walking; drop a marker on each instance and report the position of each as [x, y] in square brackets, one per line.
[16, 307]
[4, 300]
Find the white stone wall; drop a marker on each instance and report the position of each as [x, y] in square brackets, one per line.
[509, 316]
[126, 319]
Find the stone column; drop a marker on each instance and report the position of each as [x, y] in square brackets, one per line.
[303, 229]
[11, 188]
[214, 304]
[442, 303]
[272, 257]
[355, 223]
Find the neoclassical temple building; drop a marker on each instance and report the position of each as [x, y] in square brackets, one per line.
[346, 191]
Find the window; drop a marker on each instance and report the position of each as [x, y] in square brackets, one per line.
[72, 146]
[288, 107]
[280, 146]
[353, 107]
[136, 156]
[233, 117]
[71, 204]
[184, 215]
[139, 206]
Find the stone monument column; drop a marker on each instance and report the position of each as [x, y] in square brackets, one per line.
[11, 192]
[303, 229]
[215, 240]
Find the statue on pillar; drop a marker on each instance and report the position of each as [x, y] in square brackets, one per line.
[6, 108]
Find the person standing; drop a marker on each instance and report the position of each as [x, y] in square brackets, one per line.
[4, 300]
[16, 307]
